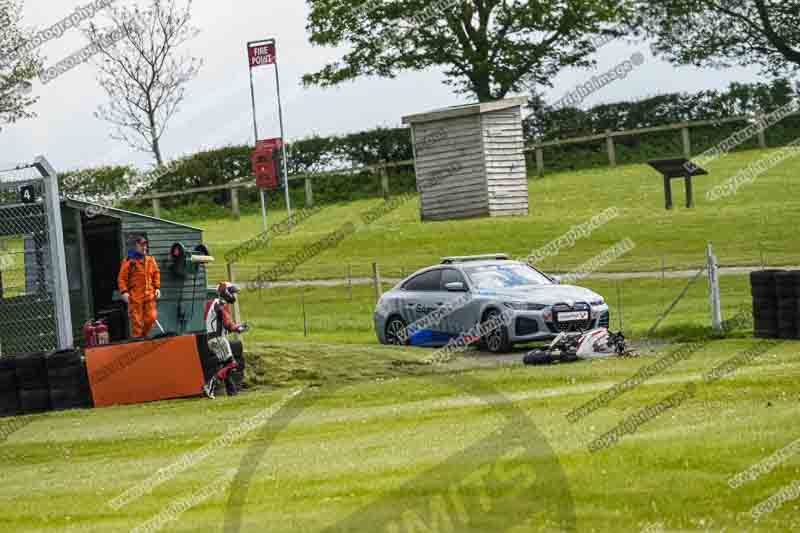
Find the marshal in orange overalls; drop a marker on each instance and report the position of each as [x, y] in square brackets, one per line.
[140, 278]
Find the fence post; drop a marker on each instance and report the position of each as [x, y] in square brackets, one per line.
[350, 280]
[156, 208]
[762, 138]
[385, 183]
[232, 279]
[305, 316]
[260, 282]
[713, 290]
[376, 278]
[687, 142]
[235, 203]
[309, 193]
[612, 154]
[539, 162]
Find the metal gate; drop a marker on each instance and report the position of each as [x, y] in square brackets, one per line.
[34, 298]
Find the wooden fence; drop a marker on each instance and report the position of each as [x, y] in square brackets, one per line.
[382, 170]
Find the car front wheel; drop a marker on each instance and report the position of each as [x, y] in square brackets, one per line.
[496, 341]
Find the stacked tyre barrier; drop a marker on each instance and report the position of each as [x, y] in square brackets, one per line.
[776, 303]
[39, 382]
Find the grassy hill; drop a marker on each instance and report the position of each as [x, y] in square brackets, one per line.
[755, 222]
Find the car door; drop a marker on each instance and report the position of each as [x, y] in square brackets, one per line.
[419, 300]
[454, 306]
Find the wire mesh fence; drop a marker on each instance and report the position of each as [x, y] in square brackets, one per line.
[28, 316]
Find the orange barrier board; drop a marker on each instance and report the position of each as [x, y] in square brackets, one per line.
[144, 371]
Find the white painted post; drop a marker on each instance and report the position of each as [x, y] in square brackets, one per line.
[376, 278]
[713, 290]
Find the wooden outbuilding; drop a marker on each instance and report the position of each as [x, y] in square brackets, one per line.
[469, 160]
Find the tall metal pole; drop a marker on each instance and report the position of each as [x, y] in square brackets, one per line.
[58, 261]
[255, 133]
[283, 147]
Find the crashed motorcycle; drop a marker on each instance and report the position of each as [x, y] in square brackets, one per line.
[576, 345]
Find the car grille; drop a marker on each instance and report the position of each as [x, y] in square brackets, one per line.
[572, 325]
[526, 326]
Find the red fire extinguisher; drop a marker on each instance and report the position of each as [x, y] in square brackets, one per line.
[89, 334]
[95, 333]
[101, 332]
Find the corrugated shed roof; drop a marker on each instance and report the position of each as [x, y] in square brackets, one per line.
[82, 204]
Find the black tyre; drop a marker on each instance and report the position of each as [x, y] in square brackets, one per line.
[9, 403]
[764, 277]
[70, 398]
[395, 328]
[31, 379]
[763, 291]
[8, 363]
[537, 357]
[62, 359]
[69, 383]
[785, 292]
[497, 340]
[788, 281]
[764, 301]
[34, 401]
[761, 313]
[8, 380]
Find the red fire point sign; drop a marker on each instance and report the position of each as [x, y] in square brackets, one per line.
[261, 54]
[266, 163]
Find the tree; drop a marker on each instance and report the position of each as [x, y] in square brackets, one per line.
[721, 33]
[488, 48]
[142, 75]
[19, 64]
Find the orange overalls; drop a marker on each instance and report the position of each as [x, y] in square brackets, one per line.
[140, 278]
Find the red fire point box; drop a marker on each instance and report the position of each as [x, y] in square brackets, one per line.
[266, 163]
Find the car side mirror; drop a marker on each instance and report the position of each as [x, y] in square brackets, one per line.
[455, 286]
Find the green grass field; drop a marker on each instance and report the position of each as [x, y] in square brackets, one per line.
[755, 222]
[377, 440]
[392, 445]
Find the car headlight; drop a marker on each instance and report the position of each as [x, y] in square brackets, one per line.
[597, 302]
[523, 306]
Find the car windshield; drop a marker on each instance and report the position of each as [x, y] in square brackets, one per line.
[505, 276]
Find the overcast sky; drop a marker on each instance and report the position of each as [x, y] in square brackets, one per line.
[216, 111]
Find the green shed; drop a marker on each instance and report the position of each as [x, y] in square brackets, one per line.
[95, 243]
[60, 258]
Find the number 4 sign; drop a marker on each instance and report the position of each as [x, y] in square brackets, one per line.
[27, 194]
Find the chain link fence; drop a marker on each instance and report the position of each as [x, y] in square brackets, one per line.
[30, 299]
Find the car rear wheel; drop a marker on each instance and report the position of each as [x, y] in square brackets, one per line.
[496, 341]
[394, 329]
